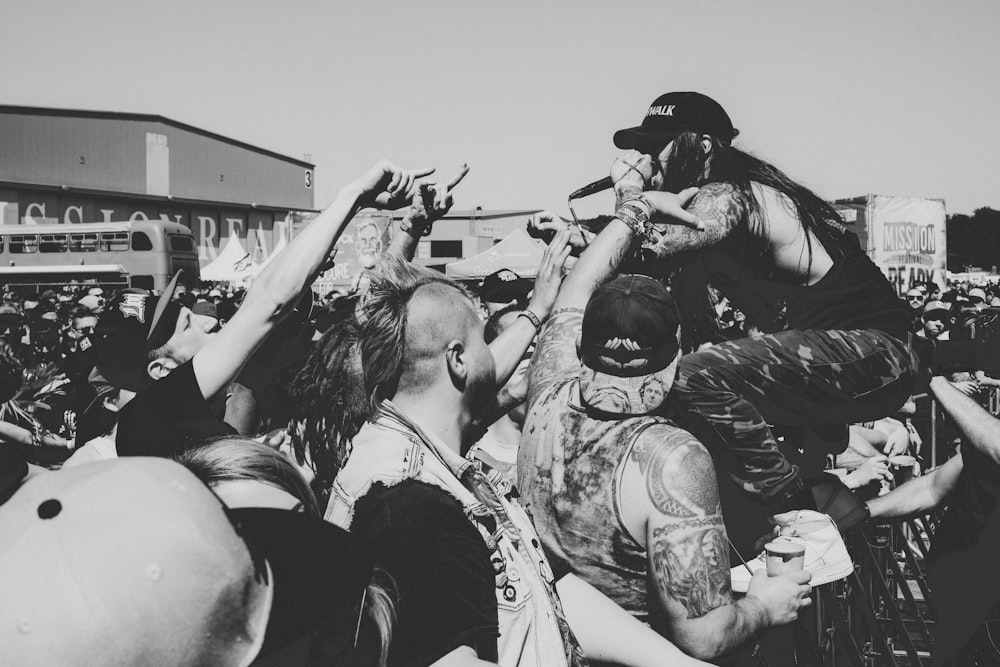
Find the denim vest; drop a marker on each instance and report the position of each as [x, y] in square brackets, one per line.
[533, 629]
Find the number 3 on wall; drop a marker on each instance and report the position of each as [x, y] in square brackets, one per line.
[309, 179]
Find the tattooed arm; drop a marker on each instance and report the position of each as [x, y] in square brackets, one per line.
[716, 205]
[555, 354]
[688, 552]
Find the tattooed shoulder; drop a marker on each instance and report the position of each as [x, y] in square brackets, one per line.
[686, 542]
[679, 473]
[718, 204]
[555, 354]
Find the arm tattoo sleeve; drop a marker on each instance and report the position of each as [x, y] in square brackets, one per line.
[717, 205]
[555, 354]
[688, 553]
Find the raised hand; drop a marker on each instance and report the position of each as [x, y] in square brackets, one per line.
[631, 173]
[431, 203]
[550, 274]
[545, 224]
[388, 186]
[669, 208]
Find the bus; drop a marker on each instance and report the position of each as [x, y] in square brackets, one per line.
[112, 255]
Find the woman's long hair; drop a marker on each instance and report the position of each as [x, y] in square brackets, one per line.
[687, 165]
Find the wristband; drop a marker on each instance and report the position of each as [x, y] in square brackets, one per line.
[406, 225]
[635, 213]
[531, 317]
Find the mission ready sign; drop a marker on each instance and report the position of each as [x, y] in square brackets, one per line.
[904, 236]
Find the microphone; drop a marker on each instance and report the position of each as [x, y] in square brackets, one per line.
[593, 188]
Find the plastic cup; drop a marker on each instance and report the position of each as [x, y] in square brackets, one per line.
[902, 468]
[784, 557]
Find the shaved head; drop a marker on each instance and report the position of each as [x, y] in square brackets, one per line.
[437, 314]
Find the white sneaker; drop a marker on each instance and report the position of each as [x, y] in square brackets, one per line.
[826, 556]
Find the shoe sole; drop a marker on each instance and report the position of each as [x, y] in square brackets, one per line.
[821, 575]
[832, 572]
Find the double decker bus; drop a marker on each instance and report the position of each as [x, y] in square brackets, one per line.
[140, 253]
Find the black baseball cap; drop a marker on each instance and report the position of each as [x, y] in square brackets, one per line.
[672, 114]
[134, 322]
[628, 346]
[504, 286]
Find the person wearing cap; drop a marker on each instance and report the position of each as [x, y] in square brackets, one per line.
[915, 299]
[137, 562]
[620, 496]
[977, 297]
[176, 359]
[503, 288]
[936, 321]
[463, 553]
[835, 349]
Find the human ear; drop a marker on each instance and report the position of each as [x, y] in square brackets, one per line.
[706, 144]
[455, 358]
[157, 369]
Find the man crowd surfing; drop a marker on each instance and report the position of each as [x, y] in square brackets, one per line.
[582, 469]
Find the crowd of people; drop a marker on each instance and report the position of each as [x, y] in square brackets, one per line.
[580, 468]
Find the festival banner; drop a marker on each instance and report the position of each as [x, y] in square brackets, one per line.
[907, 240]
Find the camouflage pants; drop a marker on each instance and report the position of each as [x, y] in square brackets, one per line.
[728, 394]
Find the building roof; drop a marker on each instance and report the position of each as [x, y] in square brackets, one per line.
[149, 118]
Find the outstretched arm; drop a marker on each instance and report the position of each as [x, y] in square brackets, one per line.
[918, 496]
[431, 203]
[980, 428]
[555, 354]
[275, 291]
[688, 552]
[715, 205]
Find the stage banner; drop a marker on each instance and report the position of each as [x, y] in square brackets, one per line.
[359, 247]
[906, 239]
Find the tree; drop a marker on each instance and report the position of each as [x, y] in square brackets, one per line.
[974, 240]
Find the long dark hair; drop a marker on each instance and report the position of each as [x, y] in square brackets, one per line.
[355, 365]
[688, 165]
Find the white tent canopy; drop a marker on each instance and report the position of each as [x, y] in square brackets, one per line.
[517, 252]
[233, 264]
[257, 268]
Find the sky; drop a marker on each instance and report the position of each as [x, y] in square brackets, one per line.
[849, 97]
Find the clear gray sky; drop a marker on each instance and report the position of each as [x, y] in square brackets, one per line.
[850, 97]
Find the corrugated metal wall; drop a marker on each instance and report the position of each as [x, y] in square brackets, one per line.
[110, 153]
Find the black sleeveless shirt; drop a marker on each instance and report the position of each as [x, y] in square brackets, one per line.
[852, 295]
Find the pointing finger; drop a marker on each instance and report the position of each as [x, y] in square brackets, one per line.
[420, 173]
[457, 178]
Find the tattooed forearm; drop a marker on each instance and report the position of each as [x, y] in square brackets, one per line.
[718, 206]
[555, 352]
[691, 566]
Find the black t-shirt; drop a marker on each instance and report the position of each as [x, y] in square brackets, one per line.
[441, 567]
[168, 417]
